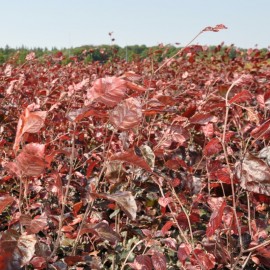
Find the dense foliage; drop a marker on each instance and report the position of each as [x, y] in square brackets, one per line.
[137, 164]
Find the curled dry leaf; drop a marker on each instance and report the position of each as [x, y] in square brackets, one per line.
[125, 201]
[254, 175]
[127, 115]
[109, 90]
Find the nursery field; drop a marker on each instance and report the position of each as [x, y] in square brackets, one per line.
[144, 164]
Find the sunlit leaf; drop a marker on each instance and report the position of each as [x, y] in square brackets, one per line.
[29, 121]
[109, 90]
[127, 115]
[254, 175]
[30, 162]
[243, 96]
[33, 225]
[102, 230]
[5, 201]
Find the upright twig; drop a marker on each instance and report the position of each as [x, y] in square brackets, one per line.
[64, 201]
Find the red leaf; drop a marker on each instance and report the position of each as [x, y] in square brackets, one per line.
[30, 162]
[15, 250]
[159, 261]
[262, 131]
[254, 175]
[213, 147]
[133, 159]
[39, 262]
[207, 260]
[127, 115]
[135, 87]
[243, 96]
[109, 90]
[142, 262]
[103, 230]
[131, 75]
[5, 201]
[76, 207]
[33, 225]
[201, 118]
[167, 227]
[90, 167]
[178, 134]
[30, 122]
[216, 217]
[191, 109]
[183, 252]
[164, 201]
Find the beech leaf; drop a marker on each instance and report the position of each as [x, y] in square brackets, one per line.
[217, 205]
[30, 162]
[254, 175]
[29, 121]
[132, 159]
[243, 96]
[201, 118]
[109, 90]
[142, 262]
[183, 252]
[213, 147]
[5, 201]
[15, 250]
[125, 200]
[127, 115]
[159, 261]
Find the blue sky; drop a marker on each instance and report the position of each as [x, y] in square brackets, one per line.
[71, 23]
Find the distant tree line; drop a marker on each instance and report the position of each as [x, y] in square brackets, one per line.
[105, 53]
